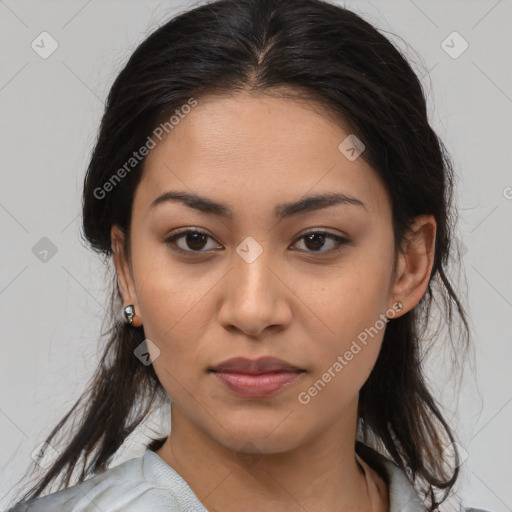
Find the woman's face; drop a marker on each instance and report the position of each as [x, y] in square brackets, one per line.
[254, 285]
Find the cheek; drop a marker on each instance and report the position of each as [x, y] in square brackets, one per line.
[170, 293]
[342, 367]
[349, 300]
[176, 306]
[351, 310]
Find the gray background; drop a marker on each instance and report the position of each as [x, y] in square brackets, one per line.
[51, 311]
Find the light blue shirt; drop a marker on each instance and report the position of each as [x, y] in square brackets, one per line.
[148, 484]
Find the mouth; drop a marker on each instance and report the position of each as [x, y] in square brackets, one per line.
[257, 378]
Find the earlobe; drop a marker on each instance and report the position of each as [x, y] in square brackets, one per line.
[415, 262]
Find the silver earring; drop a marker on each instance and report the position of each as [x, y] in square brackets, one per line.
[129, 313]
[399, 306]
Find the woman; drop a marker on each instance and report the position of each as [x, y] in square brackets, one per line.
[277, 208]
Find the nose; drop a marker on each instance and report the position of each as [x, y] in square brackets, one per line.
[255, 298]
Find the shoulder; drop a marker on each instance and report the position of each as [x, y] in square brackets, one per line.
[142, 483]
[402, 494]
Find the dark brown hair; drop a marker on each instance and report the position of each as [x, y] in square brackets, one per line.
[320, 52]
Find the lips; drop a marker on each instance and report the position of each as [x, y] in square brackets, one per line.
[255, 366]
[256, 378]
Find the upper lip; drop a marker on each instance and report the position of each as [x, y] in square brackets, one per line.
[254, 366]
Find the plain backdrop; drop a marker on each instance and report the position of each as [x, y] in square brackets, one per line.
[51, 307]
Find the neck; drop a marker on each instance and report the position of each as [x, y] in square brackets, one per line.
[322, 474]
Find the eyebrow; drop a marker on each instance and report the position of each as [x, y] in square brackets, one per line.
[281, 211]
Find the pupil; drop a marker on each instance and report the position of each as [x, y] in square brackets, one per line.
[195, 243]
[319, 241]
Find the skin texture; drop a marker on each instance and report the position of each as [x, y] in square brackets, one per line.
[306, 306]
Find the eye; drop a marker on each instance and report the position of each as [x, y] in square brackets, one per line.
[194, 240]
[315, 240]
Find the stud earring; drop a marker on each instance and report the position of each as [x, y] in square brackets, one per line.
[130, 317]
[396, 306]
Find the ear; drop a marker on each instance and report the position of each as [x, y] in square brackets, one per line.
[123, 266]
[415, 263]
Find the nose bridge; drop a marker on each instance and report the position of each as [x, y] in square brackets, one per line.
[255, 298]
[253, 278]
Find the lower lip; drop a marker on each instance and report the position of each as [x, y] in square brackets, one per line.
[257, 386]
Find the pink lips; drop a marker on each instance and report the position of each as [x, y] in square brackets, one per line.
[256, 378]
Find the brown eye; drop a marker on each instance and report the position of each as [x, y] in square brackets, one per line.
[316, 240]
[190, 240]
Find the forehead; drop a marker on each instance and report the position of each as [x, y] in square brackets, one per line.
[249, 148]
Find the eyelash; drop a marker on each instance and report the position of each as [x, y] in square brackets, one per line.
[340, 241]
